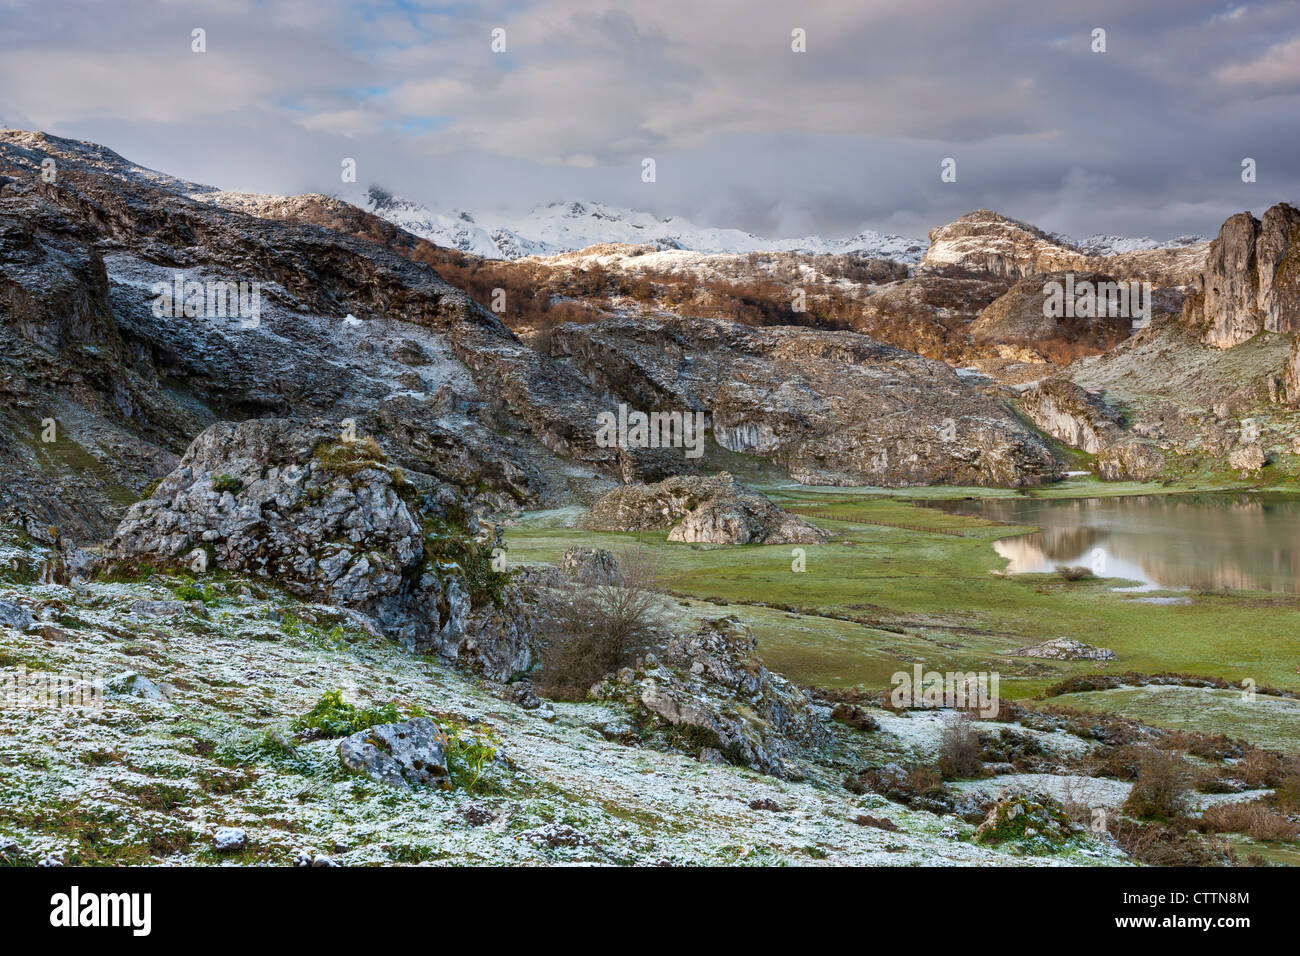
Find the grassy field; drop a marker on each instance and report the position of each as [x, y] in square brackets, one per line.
[900, 583]
[1272, 722]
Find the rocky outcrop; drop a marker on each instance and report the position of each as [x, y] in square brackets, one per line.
[332, 521]
[404, 755]
[351, 325]
[985, 242]
[1072, 415]
[1089, 310]
[715, 697]
[1130, 461]
[831, 407]
[1247, 457]
[716, 510]
[1066, 649]
[1251, 282]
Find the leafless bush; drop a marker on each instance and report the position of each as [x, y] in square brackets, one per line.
[959, 748]
[1253, 819]
[599, 623]
[1164, 782]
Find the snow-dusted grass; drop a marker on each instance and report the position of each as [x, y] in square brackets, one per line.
[142, 781]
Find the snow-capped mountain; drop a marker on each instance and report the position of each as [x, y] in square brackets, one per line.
[565, 227]
[1100, 245]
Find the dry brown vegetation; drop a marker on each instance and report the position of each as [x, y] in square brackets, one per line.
[596, 625]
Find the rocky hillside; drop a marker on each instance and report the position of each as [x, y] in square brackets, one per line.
[831, 407]
[986, 242]
[1212, 388]
[102, 389]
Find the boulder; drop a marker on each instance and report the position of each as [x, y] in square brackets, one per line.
[715, 696]
[1130, 461]
[714, 510]
[229, 840]
[131, 684]
[15, 616]
[331, 521]
[404, 755]
[590, 564]
[1247, 457]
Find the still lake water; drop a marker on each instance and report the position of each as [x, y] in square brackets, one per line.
[1222, 540]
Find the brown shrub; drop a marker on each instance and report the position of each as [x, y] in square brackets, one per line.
[1254, 819]
[1158, 844]
[595, 625]
[1265, 768]
[1287, 795]
[959, 748]
[1164, 783]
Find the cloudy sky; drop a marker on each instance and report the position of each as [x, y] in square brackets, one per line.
[1146, 138]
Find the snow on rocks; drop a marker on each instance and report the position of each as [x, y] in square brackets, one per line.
[229, 840]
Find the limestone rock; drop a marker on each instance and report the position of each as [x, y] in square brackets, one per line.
[1020, 315]
[830, 407]
[331, 521]
[1247, 457]
[408, 754]
[590, 564]
[1130, 461]
[131, 684]
[984, 242]
[1066, 649]
[1073, 415]
[15, 616]
[716, 510]
[1252, 277]
[713, 689]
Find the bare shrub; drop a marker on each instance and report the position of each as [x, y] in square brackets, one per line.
[959, 748]
[1287, 795]
[1073, 572]
[599, 623]
[1158, 844]
[1164, 783]
[1253, 819]
[1265, 768]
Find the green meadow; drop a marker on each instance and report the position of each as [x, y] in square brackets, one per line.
[899, 583]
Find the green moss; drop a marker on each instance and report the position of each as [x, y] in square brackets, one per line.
[223, 483]
[448, 541]
[346, 458]
[332, 716]
[1024, 820]
[189, 590]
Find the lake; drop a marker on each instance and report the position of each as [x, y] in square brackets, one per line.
[1231, 540]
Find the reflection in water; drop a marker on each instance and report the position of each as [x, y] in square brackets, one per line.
[1227, 540]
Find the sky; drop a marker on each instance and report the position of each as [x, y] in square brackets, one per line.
[1146, 138]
